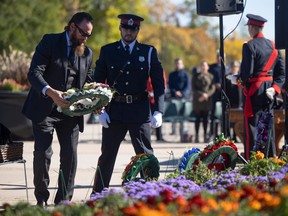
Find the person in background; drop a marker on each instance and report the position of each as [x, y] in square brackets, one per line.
[159, 135]
[126, 65]
[262, 74]
[179, 87]
[203, 88]
[60, 62]
[234, 93]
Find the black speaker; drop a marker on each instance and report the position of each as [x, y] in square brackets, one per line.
[281, 20]
[219, 7]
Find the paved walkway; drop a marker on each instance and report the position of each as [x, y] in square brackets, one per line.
[12, 181]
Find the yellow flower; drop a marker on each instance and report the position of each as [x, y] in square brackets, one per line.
[255, 204]
[259, 155]
[279, 161]
[230, 206]
[284, 191]
[212, 203]
[275, 202]
[144, 211]
[236, 194]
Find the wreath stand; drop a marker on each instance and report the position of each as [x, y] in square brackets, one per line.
[242, 159]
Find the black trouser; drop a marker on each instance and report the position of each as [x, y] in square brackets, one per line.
[112, 137]
[214, 128]
[67, 130]
[202, 114]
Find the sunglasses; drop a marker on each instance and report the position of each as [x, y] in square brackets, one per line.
[83, 33]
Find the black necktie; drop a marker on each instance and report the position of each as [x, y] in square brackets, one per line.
[71, 56]
[127, 50]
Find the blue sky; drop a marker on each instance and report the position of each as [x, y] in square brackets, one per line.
[264, 8]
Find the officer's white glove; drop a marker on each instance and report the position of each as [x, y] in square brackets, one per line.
[156, 119]
[270, 92]
[104, 119]
[232, 78]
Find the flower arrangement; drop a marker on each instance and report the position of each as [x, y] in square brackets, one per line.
[86, 100]
[188, 159]
[263, 135]
[260, 166]
[14, 67]
[235, 196]
[145, 164]
[219, 154]
[12, 85]
[225, 193]
[199, 174]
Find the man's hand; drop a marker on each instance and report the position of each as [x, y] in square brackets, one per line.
[270, 92]
[57, 97]
[203, 97]
[178, 94]
[99, 111]
[104, 119]
[156, 119]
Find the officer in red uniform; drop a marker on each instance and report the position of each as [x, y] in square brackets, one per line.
[262, 74]
[126, 66]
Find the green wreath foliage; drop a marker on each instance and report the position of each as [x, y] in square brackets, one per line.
[219, 154]
[145, 164]
[229, 154]
[86, 100]
[192, 160]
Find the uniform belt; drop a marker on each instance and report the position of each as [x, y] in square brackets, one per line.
[130, 98]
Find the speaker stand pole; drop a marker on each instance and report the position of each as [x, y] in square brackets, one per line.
[223, 98]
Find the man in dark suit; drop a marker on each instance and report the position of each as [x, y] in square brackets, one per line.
[126, 66]
[179, 87]
[61, 61]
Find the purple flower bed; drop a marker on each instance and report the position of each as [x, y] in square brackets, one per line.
[181, 186]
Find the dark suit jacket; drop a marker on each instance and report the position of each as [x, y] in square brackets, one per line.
[132, 81]
[49, 66]
[179, 80]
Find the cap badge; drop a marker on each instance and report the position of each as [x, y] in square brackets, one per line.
[130, 22]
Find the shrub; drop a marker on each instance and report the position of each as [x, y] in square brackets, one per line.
[14, 65]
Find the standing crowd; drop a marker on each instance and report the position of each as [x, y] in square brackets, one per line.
[63, 61]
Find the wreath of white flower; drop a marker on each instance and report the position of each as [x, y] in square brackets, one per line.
[86, 100]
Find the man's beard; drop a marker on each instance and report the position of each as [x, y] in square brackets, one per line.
[77, 46]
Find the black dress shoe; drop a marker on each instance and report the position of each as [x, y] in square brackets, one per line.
[161, 140]
[41, 204]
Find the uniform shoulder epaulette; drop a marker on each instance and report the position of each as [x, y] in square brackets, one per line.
[145, 45]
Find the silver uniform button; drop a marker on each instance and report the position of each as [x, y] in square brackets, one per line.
[141, 68]
[112, 67]
[127, 72]
[126, 83]
[128, 62]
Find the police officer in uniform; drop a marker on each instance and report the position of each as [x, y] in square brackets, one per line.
[262, 74]
[126, 66]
